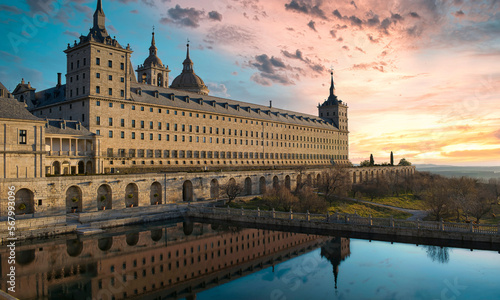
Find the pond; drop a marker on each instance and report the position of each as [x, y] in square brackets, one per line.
[186, 260]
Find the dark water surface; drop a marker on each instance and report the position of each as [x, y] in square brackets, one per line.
[185, 260]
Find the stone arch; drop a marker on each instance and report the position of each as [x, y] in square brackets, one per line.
[309, 180]
[361, 177]
[248, 186]
[187, 227]
[353, 177]
[187, 191]
[25, 203]
[132, 238]
[373, 175]
[74, 247]
[318, 180]
[56, 168]
[159, 79]
[214, 189]
[81, 167]
[73, 199]
[66, 168]
[131, 195]
[156, 235]
[104, 197]
[276, 182]
[105, 244]
[298, 181]
[262, 185]
[25, 257]
[288, 184]
[88, 168]
[155, 195]
[366, 176]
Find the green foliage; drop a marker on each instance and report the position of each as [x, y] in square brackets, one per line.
[363, 209]
[404, 162]
[392, 159]
[372, 161]
[364, 163]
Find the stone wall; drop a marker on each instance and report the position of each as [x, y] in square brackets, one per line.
[65, 194]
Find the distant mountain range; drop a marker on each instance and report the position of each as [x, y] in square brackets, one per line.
[456, 171]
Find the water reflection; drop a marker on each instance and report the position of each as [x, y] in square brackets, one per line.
[169, 261]
[438, 254]
[336, 250]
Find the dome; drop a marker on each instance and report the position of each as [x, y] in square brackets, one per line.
[153, 60]
[188, 80]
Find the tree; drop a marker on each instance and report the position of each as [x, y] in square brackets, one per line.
[392, 159]
[404, 162]
[280, 198]
[374, 188]
[335, 183]
[482, 204]
[436, 197]
[310, 201]
[364, 163]
[462, 193]
[231, 190]
[372, 161]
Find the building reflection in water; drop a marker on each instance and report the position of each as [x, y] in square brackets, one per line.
[168, 262]
[336, 250]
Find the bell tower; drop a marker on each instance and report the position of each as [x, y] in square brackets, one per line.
[153, 71]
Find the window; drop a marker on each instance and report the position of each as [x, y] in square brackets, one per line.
[97, 91]
[122, 79]
[98, 121]
[122, 134]
[110, 121]
[110, 77]
[151, 125]
[98, 103]
[97, 75]
[133, 135]
[110, 63]
[122, 66]
[122, 122]
[133, 123]
[142, 136]
[98, 132]
[110, 91]
[71, 66]
[110, 134]
[22, 137]
[98, 61]
[151, 136]
[122, 93]
[122, 106]
[142, 124]
[84, 61]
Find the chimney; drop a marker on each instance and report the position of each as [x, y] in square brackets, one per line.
[59, 79]
[270, 103]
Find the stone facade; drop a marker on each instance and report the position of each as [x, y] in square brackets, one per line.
[59, 195]
[145, 126]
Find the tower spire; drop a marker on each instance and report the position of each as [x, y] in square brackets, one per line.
[188, 63]
[99, 17]
[332, 86]
[153, 50]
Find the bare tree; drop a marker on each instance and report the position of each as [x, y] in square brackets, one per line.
[436, 197]
[280, 198]
[335, 183]
[482, 204]
[310, 201]
[231, 190]
[462, 194]
[494, 186]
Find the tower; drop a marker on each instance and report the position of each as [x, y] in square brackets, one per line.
[335, 111]
[153, 71]
[188, 80]
[97, 65]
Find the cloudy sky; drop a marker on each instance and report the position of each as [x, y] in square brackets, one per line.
[421, 77]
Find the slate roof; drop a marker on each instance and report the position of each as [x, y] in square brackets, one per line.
[50, 96]
[12, 109]
[66, 127]
[212, 104]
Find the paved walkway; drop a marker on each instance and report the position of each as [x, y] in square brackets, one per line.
[416, 214]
